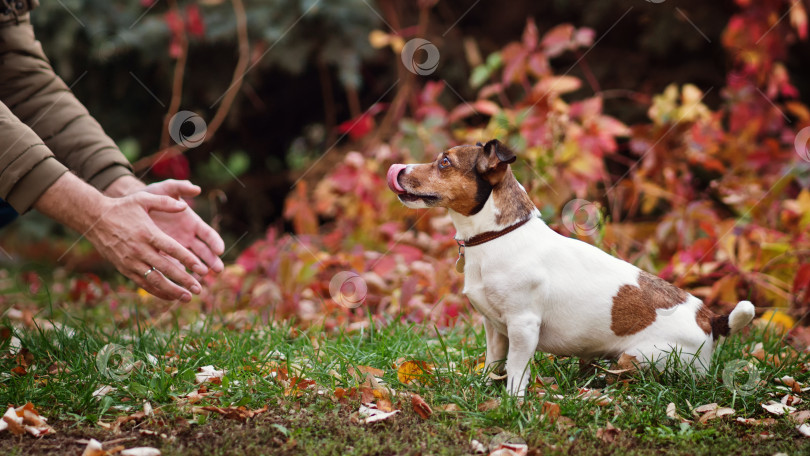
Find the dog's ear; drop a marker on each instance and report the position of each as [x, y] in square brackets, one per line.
[494, 161]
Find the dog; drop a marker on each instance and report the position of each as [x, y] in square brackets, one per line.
[541, 291]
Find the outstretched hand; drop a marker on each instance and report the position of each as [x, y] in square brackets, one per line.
[186, 227]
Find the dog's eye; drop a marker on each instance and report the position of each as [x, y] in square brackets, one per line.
[444, 163]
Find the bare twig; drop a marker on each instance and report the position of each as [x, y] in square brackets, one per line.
[177, 83]
[227, 101]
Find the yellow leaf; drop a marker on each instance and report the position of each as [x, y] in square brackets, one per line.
[778, 319]
[412, 370]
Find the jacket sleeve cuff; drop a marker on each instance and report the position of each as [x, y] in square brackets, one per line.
[107, 176]
[30, 187]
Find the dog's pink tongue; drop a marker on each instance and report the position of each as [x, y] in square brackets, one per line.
[393, 174]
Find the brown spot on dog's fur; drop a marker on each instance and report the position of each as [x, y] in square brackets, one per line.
[512, 202]
[634, 307]
[704, 319]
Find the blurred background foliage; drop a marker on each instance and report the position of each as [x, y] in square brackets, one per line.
[677, 119]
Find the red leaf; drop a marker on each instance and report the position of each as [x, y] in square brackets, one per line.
[194, 24]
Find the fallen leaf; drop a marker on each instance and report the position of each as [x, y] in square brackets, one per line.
[777, 408]
[756, 422]
[608, 434]
[368, 415]
[94, 448]
[706, 408]
[550, 410]
[451, 407]
[791, 400]
[804, 429]
[491, 404]
[801, 416]
[140, 451]
[103, 391]
[240, 413]
[209, 374]
[420, 406]
[410, 371]
[365, 370]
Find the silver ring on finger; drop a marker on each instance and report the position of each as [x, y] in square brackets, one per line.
[146, 274]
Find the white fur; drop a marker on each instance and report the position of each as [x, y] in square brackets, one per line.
[539, 290]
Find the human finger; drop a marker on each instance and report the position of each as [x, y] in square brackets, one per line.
[172, 248]
[203, 251]
[153, 282]
[175, 273]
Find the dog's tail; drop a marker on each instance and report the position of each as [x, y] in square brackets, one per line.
[726, 325]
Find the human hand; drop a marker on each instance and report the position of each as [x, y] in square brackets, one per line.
[186, 227]
[125, 235]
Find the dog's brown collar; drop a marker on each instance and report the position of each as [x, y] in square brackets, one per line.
[479, 239]
[482, 238]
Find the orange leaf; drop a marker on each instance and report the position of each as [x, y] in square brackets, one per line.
[420, 406]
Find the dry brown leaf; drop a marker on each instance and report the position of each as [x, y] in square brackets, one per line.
[609, 433]
[451, 407]
[385, 405]
[791, 400]
[420, 406]
[756, 422]
[491, 404]
[365, 370]
[240, 413]
[801, 416]
[550, 410]
[705, 408]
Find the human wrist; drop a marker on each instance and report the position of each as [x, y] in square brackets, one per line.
[123, 186]
[87, 205]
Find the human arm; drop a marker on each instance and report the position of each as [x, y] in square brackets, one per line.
[123, 232]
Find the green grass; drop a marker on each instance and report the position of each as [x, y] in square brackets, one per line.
[316, 423]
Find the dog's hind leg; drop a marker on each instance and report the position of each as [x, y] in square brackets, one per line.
[524, 333]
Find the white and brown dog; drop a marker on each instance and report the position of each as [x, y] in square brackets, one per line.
[539, 290]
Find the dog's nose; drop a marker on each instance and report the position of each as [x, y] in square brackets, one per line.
[393, 178]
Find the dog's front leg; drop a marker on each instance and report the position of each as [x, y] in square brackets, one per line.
[524, 332]
[497, 345]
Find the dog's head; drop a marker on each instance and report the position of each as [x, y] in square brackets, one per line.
[461, 178]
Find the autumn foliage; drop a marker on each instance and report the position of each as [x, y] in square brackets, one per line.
[714, 200]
